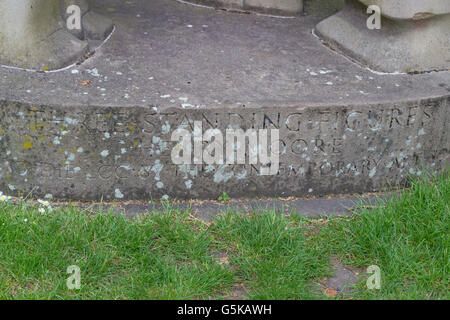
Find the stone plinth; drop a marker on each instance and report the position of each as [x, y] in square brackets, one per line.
[102, 130]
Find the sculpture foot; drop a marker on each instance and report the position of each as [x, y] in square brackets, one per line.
[399, 46]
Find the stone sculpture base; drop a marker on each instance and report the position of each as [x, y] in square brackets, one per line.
[399, 46]
[102, 130]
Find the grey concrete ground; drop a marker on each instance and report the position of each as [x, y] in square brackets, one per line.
[101, 129]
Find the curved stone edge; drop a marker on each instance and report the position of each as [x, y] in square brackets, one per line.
[405, 46]
[123, 153]
[270, 7]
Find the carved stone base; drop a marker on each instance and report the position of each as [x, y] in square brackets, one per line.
[399, 46]
[103, 130]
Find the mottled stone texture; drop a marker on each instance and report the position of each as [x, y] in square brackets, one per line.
[281, 7]
[414, 35]
[33, 33]
[101, 130]
[125, 153]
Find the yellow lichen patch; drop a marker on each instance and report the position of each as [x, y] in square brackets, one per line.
[27, 145]
[108, 115]
[131, 127]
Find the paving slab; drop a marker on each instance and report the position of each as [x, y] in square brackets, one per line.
[102, 129]
[208, 210]
[343, 279]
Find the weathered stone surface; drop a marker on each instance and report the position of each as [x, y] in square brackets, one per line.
[84, 8]
[286, 6]
[342, 128]
[64, 4]
[282, 7]
[125, 153]
[323, 8]
[96, 26]
[399, 46]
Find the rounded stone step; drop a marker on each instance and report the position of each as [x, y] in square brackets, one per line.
[103, 129]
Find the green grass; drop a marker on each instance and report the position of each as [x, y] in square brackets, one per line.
[163, 256]
[407, 236]
[172, 255]
[272, 254]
